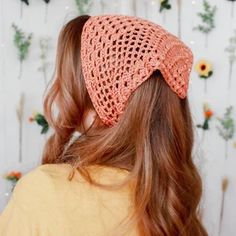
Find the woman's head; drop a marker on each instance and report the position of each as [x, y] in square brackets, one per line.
[152, 139]
[120, 52]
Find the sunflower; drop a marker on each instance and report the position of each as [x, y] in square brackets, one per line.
[204, 69]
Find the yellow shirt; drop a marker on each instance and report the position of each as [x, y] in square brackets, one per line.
[45, 203]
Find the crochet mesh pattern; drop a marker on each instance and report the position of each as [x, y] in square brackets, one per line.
[120, 52]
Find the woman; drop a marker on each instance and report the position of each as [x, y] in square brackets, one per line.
[121, 83]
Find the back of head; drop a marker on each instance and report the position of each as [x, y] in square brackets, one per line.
[147, 126]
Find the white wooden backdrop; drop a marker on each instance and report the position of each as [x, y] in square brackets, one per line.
[209, 154]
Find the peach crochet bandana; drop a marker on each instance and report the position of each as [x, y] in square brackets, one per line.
[120, 52]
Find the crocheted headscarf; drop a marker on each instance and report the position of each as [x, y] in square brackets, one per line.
[119, 53]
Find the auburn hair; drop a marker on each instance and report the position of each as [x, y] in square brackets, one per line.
[153, 141]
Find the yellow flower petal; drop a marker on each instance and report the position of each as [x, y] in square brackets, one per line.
[203, 68]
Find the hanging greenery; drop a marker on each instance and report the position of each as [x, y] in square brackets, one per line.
[20, 115]
[21, 6]
[41, 121]
[208, 19]
[134, 6]
[13, 177]
[46, 10]
[224, 188]
[83, 6]
[231, 50]
[226, 127]
[44, 45]
[26, 2]
[164, 5]
[179, 6]
[22, 43]
[204, 71]
[232, 7]
[208, 113]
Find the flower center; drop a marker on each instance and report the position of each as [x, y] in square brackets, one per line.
[203, 67]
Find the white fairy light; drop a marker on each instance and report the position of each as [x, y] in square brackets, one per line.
[67, 7]
[192, 42]
[193, 2]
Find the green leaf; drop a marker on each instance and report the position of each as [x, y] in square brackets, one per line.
[22, 42]
[206, 124]
[26, 2]
[41, 121]
[226, 127]
[83, 6]
[164, 5]
[44, 129]
[207, 17]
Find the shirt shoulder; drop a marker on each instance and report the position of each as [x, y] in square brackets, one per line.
[45, 202]
[48, 183]
[35, 189]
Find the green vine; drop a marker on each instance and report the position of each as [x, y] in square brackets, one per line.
[231, 50]
[207, 17]
[83, 6]
[226, 127]
[22, 43]
[44, 46]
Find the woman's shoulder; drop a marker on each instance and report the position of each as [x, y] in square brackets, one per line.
[62, 171]
[45, 181]
[40, 177]
[37, 186]
[44, 196]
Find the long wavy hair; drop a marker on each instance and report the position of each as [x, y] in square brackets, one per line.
[153, 141]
